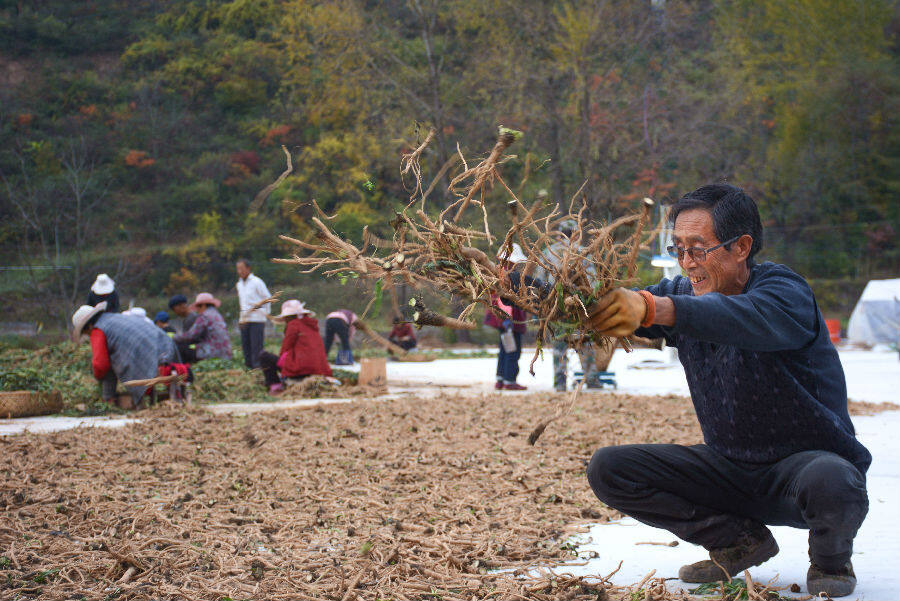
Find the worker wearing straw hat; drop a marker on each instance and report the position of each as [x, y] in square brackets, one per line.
[208, 336]
[104, 290]
[302, 350]
[122, 348]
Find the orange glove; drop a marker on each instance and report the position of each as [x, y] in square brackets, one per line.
[619, 313]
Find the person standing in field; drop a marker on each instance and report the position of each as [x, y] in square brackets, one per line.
[509, 321]
[252, 321]
[591, 364]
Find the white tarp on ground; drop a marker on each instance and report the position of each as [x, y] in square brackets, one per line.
[876, 318]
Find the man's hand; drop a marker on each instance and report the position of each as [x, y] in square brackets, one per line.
[619, 313]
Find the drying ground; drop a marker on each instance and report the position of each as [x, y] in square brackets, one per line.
[400, 499]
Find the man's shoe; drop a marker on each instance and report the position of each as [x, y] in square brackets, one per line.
[752, 549]
[514, 386]
[499, 385]
[838, 584]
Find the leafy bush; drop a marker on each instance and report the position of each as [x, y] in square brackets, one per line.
[23, 378]
[55, 367]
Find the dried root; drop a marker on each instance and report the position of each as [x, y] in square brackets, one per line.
[379, 339]
[267, 191]
[154, 381]
[423, 316]
[576, 261]
[583, 260]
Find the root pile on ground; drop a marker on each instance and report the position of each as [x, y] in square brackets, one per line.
[442, 250]
[373, 500]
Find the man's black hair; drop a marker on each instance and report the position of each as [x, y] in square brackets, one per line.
[246, 262]
[93, 320]
[733, 213]
[177, 300]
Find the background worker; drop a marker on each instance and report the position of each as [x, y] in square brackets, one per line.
[402, 334]
[161, 321]
[104, 290]
[509, 320]
[302, 351]
[208, 336]
[593, 360]
[122, 348]
[770, 396]
[340, 323]
[185, 316]
[252, 322]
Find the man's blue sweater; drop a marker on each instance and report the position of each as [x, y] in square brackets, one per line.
[765, 380]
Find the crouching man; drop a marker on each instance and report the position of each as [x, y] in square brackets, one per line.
[769, 393]
[123, 348]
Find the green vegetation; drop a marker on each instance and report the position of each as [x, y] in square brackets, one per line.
[135, 134]
[734, 590]
[67, 368]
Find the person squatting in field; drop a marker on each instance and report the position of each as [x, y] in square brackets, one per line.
[769, 392]
[123, 347]
[302, 350]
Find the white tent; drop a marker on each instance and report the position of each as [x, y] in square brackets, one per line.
[876, 318]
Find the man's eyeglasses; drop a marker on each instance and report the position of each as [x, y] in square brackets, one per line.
[696, 253]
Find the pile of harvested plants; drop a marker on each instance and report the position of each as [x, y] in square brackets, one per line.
[373, 500]
[440, 250]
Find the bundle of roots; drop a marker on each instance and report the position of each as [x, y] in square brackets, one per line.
[579, 263]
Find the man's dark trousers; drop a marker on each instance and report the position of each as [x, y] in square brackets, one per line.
[704, 498]
[252, 334]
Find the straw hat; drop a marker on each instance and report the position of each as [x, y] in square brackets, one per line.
[516, 256]
[205, 298]
[83, 315]
[103, 284]
[289, 308]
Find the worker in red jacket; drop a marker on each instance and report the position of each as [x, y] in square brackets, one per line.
[302, 351]
[402, 334]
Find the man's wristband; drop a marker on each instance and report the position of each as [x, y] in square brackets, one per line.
[651, 308]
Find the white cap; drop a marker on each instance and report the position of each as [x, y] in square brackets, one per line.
[103, 284]
[139, 311]
[516, 256]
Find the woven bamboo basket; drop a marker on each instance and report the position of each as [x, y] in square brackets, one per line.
[25, 403]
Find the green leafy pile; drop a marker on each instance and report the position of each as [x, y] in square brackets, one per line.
[62, 367]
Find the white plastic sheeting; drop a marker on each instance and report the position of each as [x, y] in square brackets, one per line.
[876, 318]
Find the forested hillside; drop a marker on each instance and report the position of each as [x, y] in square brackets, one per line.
[136, 133]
